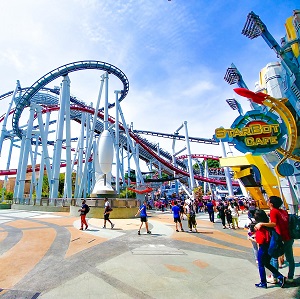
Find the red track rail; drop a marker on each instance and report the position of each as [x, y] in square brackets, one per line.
[139, 141]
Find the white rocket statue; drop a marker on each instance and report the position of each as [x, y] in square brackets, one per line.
[103, 165]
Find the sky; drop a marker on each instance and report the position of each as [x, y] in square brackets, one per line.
[174, 54]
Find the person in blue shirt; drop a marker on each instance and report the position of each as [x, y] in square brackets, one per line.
[211, 211]
[143, 214]
[176, 215]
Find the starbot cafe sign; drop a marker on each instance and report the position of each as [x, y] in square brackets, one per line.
[254, 132]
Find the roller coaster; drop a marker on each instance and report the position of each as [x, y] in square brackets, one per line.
[50, 107]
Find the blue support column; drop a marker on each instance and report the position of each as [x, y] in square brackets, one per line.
[226, 171]
[90, 141]
[17, 182]
[117, 141]
[80, 155]
[25, 154]
[44, 138]
[3, 130]
[7, 167]
[138, 171]
[65, 96]
[33, 183]
[68, 176]
[40, 179]
[191, 172]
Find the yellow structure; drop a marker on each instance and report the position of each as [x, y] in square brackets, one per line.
[292, 35]
[243, 170]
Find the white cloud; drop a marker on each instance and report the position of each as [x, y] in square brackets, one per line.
[174, 53]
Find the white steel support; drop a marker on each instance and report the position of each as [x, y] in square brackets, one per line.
[117, 141]
[122, 165]
[175, 164]
[3, 130]
[90, 136]
[25, 151]
[65, 96]
[44, 137]
[138, 171]
[68, 176]
[128, 163]
[137, 154]
[45, 159]
[226, 171]
[159, 164]
[191, 172]
[80, 155]
[17, 182]
[7, 167]
[39, 188]
[206, 174]
[33, 183]
[106, 102]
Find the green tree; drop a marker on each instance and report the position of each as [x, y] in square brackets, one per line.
[130, 194]
[212, 163]
[61, 184]
[45, 187]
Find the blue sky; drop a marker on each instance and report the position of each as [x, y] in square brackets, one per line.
[174, 53]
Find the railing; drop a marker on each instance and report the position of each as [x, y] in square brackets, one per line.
[66, 202]
[53, 202]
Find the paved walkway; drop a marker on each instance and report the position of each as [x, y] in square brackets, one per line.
[44, 255]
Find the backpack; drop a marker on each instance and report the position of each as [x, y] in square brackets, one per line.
[294, 226]
[87, 209]
[276, 246]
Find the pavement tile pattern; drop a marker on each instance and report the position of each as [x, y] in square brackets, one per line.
[45, 255]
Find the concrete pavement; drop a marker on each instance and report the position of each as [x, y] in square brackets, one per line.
[44, 255]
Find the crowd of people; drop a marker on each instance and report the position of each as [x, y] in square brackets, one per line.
[260, 227]
[227, 210]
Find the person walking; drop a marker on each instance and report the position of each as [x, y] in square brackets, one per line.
[83, 211]
[176, 215]
[280, 221]
[191, 215]
[211, 211]
[107, 210]
[233, 207]
[143, 214]
[262, 237]
[221, 211]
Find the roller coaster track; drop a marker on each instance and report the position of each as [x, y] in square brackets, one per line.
[140, 141]
[177, 136]
[63, 71]
[199, 156]
[146, 146]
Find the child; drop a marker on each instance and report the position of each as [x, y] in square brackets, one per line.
[262, 237]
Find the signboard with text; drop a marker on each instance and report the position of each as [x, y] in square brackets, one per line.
[254, 132]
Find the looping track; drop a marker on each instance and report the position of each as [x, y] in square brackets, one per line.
[63, 71]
